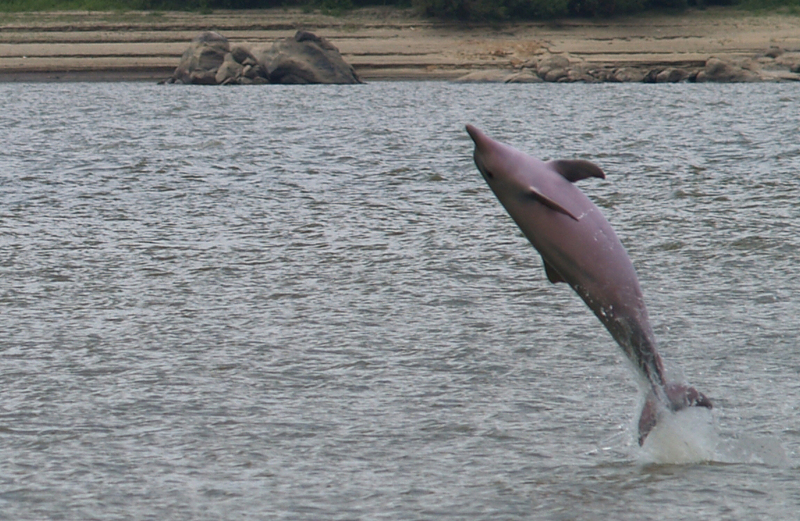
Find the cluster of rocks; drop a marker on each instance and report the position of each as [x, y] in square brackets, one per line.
[774, 65]
[303, 59]
[307, 58]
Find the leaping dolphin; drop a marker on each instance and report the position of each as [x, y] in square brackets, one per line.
[579, 247]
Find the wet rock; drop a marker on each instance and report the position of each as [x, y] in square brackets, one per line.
[305, 59]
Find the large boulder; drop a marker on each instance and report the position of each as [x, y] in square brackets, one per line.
[210, 60]
[722, 71]
[553, 67]
[240, 68]
[306, 58]
[200, 62]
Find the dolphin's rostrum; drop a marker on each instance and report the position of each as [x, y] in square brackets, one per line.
[579, 247]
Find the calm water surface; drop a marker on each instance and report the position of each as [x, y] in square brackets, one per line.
[305, 303]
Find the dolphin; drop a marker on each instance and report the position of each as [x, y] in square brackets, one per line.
[579, 247]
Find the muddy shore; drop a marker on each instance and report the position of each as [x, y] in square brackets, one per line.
[380, 43]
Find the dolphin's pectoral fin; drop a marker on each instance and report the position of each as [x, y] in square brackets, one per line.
[550, 203]
[552, 275]
[576, 169]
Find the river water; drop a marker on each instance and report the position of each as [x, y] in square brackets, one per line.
[305, 303]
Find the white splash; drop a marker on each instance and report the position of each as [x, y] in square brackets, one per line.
[686, 436]
[691, 436]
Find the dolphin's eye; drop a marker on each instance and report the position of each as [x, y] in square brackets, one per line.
[488, 174]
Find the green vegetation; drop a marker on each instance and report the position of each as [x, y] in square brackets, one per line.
[457, 9]
[543, 9]
[780, 6]
[139, 5]
[190, 5]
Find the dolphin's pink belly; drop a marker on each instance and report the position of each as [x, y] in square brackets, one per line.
[590, 258]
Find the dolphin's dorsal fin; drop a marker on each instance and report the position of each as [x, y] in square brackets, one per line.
[552, 275]
[576, 169]
[550, 203]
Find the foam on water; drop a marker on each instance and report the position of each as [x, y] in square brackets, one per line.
[686, 436]
[691, 436]
[749, 449]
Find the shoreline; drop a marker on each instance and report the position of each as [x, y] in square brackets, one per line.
[386, 43]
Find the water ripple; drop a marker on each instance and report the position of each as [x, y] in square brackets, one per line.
[304, 303]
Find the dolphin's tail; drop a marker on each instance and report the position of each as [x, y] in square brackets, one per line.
[679, 397]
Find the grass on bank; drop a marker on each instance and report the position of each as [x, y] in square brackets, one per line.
[458, 9]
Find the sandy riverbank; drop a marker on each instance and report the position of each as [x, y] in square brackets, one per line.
[379, 43]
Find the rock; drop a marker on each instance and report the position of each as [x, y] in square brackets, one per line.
[229, 72]
[765, 61]
[252, 72]
[201, 77]
[555, 75]
[306, 58]
[523, 76]
[773, 52]
[553, 67]
[578, 75]
[671, 75]
[243, 56]
[601, 75]
[722, 71]
[778, 75]
[651, 75]
[200, 62]
[790, 60]
[484, 76]
[627, 75]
